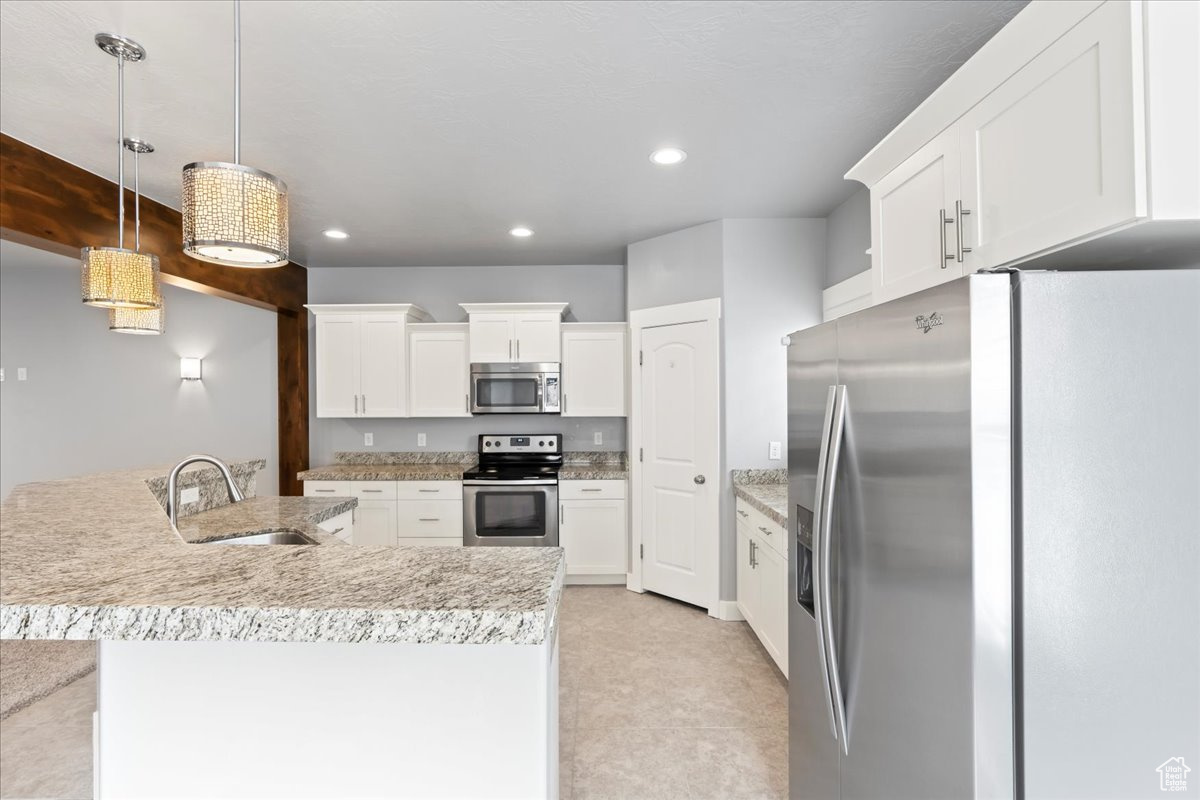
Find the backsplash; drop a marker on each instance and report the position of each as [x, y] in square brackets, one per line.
[417, 457]
[213, 493]
[595, 458]
[759, 476]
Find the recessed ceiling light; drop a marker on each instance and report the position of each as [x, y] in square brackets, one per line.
[668, 155]
[521, 232]
[334, 233]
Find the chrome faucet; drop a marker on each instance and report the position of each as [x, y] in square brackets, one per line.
[235, 494]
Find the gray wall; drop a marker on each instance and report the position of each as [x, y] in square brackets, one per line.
[97, 401]
[848, 228]
[768, 274]
[596, 294]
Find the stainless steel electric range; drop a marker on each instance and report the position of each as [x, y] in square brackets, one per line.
[511, 497]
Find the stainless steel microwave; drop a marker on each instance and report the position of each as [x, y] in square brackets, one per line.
[515, 388]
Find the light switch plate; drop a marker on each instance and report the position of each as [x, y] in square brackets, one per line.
[597, 438]
[190, 495]
[420, 440]
[368, 440]
[22, 374]
[775, 451]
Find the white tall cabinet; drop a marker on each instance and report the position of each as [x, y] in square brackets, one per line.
[594, 358]
[361, 359]
[515, 332]
[439, 380]
[1067, 140]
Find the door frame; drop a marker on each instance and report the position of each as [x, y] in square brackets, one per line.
[708, 312]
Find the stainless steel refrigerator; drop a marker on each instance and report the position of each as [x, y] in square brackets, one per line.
[995, 584]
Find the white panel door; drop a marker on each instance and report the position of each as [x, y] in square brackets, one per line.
[439, 380]
[772, 603]
[747, 578]
[592, 532]
[537, 338]
[679, 407]
[1052, 155]
[337, 358]
[383, 380]
[911, 241]
[375, 523]
[593, 373]
[492, 338]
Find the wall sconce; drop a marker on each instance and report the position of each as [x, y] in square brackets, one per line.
[189, 368]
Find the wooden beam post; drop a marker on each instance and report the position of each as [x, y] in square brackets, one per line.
[50, 204]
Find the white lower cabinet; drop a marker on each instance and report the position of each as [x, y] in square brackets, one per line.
[592, 527]
[390, 513]
[341, 526]
[762, 580]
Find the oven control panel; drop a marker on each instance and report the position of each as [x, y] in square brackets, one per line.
[530, 443]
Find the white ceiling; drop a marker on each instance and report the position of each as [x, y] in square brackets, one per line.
[427, 130]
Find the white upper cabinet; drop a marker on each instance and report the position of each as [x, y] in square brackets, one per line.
[1052, 155]
[515, 332]
[912, 222]
[1068, 139]
[361, 359]
[438, 371]
[593, 369]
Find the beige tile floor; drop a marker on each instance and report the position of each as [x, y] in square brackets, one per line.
[658, 701]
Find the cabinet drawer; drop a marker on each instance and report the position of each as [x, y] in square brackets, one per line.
[429, 490]
[768, 530]
[327, 489]
[431, 542]
[591, 490]
[373, 490]
[425, 519]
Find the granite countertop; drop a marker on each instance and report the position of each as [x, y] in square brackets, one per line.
[95, 557]
[593, 472]
[385, 472]
[261, 514]
[764, 490]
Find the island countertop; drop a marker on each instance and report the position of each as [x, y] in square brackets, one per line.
[95, 557]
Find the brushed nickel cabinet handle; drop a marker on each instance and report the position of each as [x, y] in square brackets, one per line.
[429, 519]
[764, 530]
[591, 490]
[329, 491]
[743, 513]
[428, 491]
[356, 405]
[943, 221]
[371, 491]
[960, 212]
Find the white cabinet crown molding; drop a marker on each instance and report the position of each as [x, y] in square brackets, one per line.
[414, 313]
[852, 294]
[514, 308]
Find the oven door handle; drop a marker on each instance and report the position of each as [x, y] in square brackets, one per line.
[537, 482]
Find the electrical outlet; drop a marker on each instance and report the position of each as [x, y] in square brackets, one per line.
[190, 495]
[1, 374]
[775, 451]
[368, 440]
[420, 440]
[597, 438]
[21, 374]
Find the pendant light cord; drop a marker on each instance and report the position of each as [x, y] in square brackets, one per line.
[237, 81]
[121, 151]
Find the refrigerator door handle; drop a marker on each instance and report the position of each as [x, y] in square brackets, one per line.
[837, 428]
[817, 540]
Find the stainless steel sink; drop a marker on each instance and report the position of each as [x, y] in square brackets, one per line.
[282, 536]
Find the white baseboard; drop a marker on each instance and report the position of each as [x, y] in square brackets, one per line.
[727, 610]
[596, 580]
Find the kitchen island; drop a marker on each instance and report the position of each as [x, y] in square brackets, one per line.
[288, 671]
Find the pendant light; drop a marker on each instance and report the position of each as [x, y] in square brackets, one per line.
[113, 277]
[233, 214]
[145, 321]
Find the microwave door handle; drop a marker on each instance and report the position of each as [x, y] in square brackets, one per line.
[836, 432]
[541, 393]
[817, 541]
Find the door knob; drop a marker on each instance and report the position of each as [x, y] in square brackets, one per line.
[698, 479]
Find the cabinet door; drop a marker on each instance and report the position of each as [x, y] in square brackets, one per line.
[375, 522]
[492, 338]
[772, 603]
[747, 578]
[438, 374]
[592, 532]
[911, 242]
[383, 381]
[593, 374]
[538, 338]
[1051, 156]
[337, 360]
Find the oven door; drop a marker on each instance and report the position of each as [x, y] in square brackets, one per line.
[514, 393]
[510, 513]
